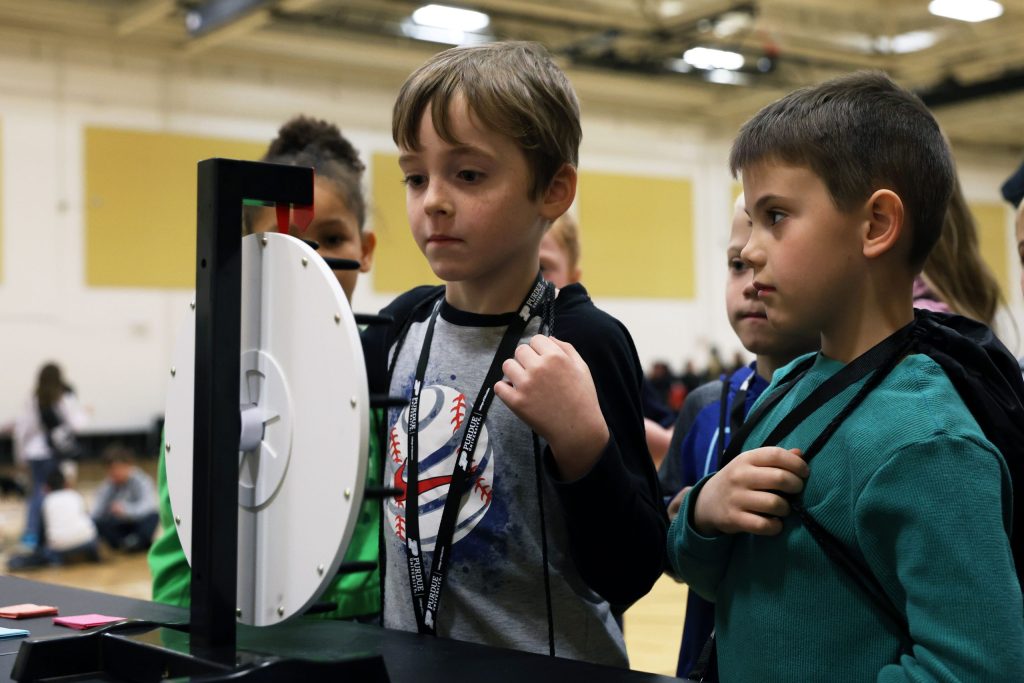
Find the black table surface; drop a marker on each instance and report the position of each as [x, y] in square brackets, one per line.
[409, 657]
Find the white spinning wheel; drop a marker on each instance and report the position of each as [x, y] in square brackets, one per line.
[304, 426]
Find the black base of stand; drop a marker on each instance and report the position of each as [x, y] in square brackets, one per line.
[142, 651]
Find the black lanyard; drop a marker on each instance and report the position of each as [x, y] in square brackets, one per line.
[881, 358]
[426, 599]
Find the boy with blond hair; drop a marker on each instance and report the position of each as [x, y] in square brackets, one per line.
[867, 442]
[560, 252]
[519, 522]
[715, 411]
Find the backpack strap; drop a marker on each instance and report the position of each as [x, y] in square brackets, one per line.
[859, 573]
[982, 371]
[875, 364]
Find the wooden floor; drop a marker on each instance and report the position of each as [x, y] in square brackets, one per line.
[653, 625]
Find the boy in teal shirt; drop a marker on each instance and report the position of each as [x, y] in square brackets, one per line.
[846, 185]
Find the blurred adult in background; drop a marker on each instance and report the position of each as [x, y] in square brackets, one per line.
[690, 378]
[955, 278]
[660, 379]
[45, 435]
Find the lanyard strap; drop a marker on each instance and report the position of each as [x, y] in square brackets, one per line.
[881, 357]
[426, 599]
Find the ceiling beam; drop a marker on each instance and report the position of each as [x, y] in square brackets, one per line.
[953, 93]
[142, 14]
[228, 32]
[564, 13]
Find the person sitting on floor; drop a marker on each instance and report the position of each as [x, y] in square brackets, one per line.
[126, 503]
[68, 532]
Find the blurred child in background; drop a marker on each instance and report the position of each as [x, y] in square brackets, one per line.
[560, 265]
[68, 532]
[955, 279]
[125, 510]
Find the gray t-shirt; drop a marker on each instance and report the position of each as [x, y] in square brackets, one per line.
[495, 591]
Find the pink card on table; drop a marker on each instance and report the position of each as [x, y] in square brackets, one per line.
[26, 610]
[84, 621]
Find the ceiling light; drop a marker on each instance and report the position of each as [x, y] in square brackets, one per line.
[450, 18]
[731, 23]
[710, 58]
[966, 10]
[726, 77]
[447, 36]
[904, 43]
[670, 8]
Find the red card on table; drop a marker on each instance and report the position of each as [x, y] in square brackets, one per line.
[84, 621]
[26, 610]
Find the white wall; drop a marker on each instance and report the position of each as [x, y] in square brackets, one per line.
[115, 344]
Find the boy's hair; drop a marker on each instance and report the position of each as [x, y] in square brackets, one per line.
[514, 88]
[566, 233]
[55, 479]
[307, 141]
[859, 133]
[118, 453]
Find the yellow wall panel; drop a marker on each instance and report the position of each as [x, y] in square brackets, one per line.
[993, 222]
[637, 235]
[398, 264]
[140, 194]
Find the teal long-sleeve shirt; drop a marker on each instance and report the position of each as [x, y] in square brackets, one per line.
[912, 485]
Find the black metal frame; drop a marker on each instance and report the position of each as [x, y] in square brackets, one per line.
[223, 186]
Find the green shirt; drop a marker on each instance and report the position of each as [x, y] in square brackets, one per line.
[356, 594]
[910, 483]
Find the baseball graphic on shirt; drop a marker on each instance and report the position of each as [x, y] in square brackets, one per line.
[443, 414]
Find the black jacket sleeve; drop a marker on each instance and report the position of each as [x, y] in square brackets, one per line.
[617, 525]
[377, 339]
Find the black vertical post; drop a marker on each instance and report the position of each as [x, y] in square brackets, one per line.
[223, 185]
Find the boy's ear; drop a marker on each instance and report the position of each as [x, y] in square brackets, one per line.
[560, 193]
[885, 223]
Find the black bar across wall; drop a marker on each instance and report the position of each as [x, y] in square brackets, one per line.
[223, 185]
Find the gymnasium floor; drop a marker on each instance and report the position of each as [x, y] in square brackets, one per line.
[653, 625]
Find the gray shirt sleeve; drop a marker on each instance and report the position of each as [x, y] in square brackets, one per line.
[670, 474]
[141, 499]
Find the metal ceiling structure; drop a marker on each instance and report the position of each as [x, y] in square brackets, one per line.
[623, 54]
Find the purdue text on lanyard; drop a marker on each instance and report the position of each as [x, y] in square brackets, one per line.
[425, 600]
